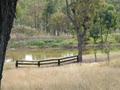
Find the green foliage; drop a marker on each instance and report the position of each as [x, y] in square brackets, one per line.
[43, 43]
[94, 31]
[110, 17]
[81, 12]
[111, 7]
[35, 43]
[49, 8]
[117, 38]
[67, 43]
[38, 13]
[16, 44]
[58, 23]
[51, 15]
[19, 11]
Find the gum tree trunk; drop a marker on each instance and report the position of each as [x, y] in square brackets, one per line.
[7, 14]
[95, 54]
[80, 34]
[79, 38]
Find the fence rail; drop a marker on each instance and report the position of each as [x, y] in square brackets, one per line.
[58, 61]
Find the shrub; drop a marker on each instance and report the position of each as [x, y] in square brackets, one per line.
[16, 44]
[39, 43]
[117, 38]
[67, 43]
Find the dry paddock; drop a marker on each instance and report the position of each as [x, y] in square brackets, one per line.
[90, 76]
[94, 76]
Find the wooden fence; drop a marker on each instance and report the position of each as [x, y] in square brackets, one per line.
[59, 61]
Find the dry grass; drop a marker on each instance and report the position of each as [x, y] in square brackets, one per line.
[69, 77]
[101, 57]
[94, 76]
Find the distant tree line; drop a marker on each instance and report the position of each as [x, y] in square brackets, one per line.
[49, 15]
[96, 18]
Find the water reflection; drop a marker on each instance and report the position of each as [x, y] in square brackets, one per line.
[67, 55]
[28, 57]
[8, 60]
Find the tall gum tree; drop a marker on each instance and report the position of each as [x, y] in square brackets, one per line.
[81, 12]
[7, 14]
[110, 24]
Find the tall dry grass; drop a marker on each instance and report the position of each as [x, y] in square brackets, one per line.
[69, 77]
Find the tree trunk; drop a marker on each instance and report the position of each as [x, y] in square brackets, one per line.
[48, 23]
[108, 54]
[107, 44]
[35, 15]
[95, 50]
[35, 21]
[58, 33]
[7, 14]
[101, 35]
[54, 32]
[95, 55]
[3, 46]
[79, 38]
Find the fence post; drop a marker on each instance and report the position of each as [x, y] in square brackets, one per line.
[58, 62]
[16, 64]
[77, 58]
[38, 63]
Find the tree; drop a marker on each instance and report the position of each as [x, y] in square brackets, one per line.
[7, 14]
[58, 23]
[48, 10]
[36, 12]
[107, 20]
[94, 34]
[80, 12]
[100, 19]
[110, 23]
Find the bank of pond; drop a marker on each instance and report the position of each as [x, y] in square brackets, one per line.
[42, 54]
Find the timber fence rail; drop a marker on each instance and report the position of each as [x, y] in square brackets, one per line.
[58, 61]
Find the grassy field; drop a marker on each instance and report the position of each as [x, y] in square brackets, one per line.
[43, 43]
[57, 41]
[94, 76]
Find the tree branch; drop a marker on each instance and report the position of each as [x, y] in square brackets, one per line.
[84, 26]
[84, 31]
[68, 12]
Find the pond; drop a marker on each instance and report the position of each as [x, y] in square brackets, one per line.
[40, 54]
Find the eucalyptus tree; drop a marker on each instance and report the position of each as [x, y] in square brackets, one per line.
[7, 14]
[48, 10]
[107, 20]
[94, 34]
[110, 24]
[81, 12]
[110, 19]
[35, 12]
[100, 19]
[58, 23]
[116, 4]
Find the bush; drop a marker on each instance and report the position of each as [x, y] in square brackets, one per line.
[16, 44]
[39, 43]
[48, 41]
[117, 38]
[55, 45]
[43, 43]
[67, 43]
